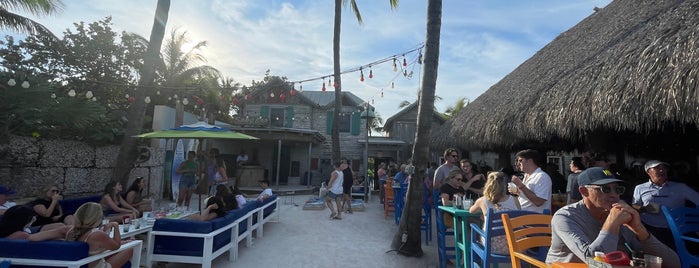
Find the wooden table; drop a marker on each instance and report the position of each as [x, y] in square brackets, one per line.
[461, 233]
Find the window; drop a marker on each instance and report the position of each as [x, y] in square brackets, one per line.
[277, 117]
[344, 122]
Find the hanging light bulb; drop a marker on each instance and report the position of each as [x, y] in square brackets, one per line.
[147, 99]
[53, 95]
[323, 88]
[71, 93]
[235, 101]
[248, 96]
[382, 93]
[195, 106]
[88, 94]
[132, 99]
[157, 93]
[94, 99]
[300, 87]
[185, 101]
[11, 82]
[405, 73]
[127, 96]
[405, 63]
[271, 94]
[175, 96]
[419, 57]
[371, 73]
[372, 101]
[282, 96]
[393, 85]
[292, 92]
[361, 74]
[169, 98]
[395, 65]
[25, 84]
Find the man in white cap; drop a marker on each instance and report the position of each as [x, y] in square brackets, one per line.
[601, 221]
[4, 203]
[659, 191]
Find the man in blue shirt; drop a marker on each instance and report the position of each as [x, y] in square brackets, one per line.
[659, 191]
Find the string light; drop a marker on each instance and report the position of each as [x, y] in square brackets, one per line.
[361, 75]
[371, 73]
[395, 66]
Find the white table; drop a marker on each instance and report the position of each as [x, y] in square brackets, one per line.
[133, 231]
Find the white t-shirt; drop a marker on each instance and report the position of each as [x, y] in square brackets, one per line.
[7, 205]
[540, 183]
[267, 192]
[241, 157]
[336, 188]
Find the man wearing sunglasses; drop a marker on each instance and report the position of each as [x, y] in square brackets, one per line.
[451, 162]
[659, 191]
[601, 221]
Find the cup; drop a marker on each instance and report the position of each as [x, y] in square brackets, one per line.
[125, 227]
[467, 203]
[105, 221]
[653, 261]
[512, 187]
[137, 223]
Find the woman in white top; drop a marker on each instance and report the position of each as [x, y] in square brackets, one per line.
[334, 191]
[495, 196]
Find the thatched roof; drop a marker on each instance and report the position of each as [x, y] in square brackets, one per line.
[632, 67]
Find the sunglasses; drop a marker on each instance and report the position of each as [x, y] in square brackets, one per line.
[454, 155]
[608, 189]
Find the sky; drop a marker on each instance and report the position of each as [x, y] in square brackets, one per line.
[481, 40]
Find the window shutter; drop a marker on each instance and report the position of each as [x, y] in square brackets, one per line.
[356, 121]
[290, 116]
[264, 111]
[329, 127]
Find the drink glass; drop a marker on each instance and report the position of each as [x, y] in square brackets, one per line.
[512, 187]
[125, 227]
[467, 203]
[653, 261]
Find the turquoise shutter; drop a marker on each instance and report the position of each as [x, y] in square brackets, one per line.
[355, 124]
[329, 127]
[264, 111]
[290, 116]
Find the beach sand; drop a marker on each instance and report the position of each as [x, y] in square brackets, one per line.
[307, 238]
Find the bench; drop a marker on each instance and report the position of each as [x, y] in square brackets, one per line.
[200, 242]
[57, 253]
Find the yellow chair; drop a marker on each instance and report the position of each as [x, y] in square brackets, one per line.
[525, 233]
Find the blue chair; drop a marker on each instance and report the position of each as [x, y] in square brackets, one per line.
[445, 253]
[683, 221]
[481, 252]
[399, 201]
[426, 224]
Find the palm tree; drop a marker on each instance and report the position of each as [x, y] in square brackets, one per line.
[136, 112]
[336, 69]
[17, 23]
[458, 106]
[410, 224]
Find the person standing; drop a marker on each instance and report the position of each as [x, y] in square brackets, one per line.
[603, 222]
[451, 160]
[659, 191]
[334, 191]
[576, 166]
[347, 180]
[534, 190]
[188, 169]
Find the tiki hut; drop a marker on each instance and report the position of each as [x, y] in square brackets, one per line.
[625, 79]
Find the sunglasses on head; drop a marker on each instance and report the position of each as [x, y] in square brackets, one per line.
[608, 189]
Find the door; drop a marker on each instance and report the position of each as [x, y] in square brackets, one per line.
[284, 165]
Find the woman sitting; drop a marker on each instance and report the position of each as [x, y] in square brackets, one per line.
[16, 221]
[495, 196]
[87, 218]
[48, 209]
[239, 197]
[214, 209]
[113, 206]
[229, 202]
[135, 197]
[450, 188]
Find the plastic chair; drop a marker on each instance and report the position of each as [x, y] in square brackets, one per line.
[683, 221]
[525, 233]
[388, 200]
[399, 202]
[482, 251]
[426, 224]
[445, 253]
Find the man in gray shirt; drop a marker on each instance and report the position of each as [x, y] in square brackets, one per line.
[601, 222]
[451, 160]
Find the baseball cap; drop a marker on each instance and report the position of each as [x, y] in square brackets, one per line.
[6, 191]
[596, 176]
[654, 163]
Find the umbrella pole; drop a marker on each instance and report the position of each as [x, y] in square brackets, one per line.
[199, 173]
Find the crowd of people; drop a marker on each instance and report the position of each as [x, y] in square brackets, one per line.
[599, 215]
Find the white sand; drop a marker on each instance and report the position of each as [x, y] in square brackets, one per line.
[307, 238]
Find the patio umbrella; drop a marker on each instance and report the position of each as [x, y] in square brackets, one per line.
[199, 130]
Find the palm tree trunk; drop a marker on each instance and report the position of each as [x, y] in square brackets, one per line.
[412, 211]
[338, 88]
[137, 110]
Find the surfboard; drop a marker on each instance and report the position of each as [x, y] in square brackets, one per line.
[177, 159]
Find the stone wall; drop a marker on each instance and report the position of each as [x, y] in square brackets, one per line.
[28, 164]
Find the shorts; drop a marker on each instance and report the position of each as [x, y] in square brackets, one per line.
[187, 182]
[347, 189]
[330, 195]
